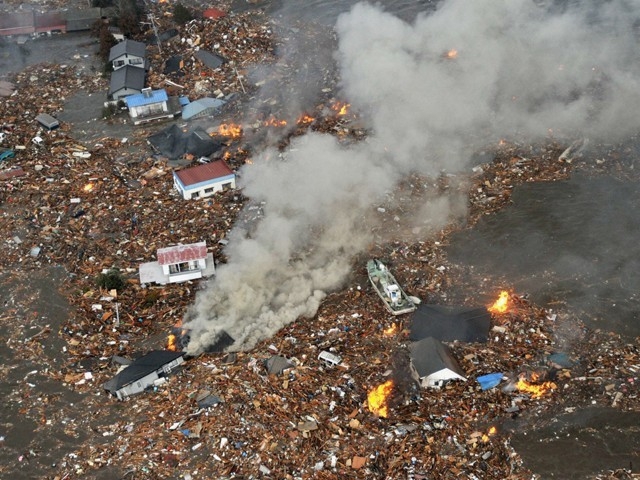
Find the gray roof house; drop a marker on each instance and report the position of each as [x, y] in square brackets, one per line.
[201, 107]
[126, 81]
[433, 363]
[128, 52]
[143, 373]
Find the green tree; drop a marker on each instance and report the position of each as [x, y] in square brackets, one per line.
[111, 279]
[181, 14]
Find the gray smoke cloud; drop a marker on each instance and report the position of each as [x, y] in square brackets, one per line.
[519, 69]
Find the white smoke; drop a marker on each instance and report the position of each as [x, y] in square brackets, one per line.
[520, 69]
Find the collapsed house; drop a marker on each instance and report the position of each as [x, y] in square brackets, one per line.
[173, 143]
[433, 363]
[450, 324]
[144, 373]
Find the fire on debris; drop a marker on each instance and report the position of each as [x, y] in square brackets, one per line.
[231, 130]
[533, 386]
[378, 398]
[501, 305]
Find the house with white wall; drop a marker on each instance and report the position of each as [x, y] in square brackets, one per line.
[204, 180]
[178, 263]
[128, 52]
[148, 105]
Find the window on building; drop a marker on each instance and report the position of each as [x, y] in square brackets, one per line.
[195, 194]
[208, 190]
[226, 187]
[118, 63]
[135, 61]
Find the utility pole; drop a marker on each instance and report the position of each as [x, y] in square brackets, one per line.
[155, 31]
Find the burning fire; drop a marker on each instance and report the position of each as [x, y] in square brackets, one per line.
[229, 130]
[502, 304]
[453, 53]
[378, 398]
[88, 187]
[340, 108]
[392, 330]
[492, 431]
[274, 122]
[305, 119]
[172, 342]
[536, 390]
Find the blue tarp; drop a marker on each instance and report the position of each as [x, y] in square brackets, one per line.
[490, 380]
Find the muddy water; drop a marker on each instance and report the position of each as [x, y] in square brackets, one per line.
[570, 243]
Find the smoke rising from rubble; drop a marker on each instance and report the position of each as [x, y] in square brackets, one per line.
[519, 70]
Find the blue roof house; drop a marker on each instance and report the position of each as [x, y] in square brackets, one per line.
[148, 105]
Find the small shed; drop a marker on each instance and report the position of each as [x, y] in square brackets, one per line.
[128, 52]
[178, 263]
[47, 121]
[434, 363]
[143, 373]
[204, 180]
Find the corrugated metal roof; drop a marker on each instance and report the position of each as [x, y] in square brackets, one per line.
[127, 77]
[129, 47]
[198, 106]
[182, 253]
[204, 172]
[146, 98]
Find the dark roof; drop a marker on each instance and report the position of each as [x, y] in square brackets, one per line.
[141, 367]
[211, 60]
[173, 142]
[173, 64]
[204, 172]
[449, 324]
[127, 77]
[430, 355]
[127, 46]
[277, 364]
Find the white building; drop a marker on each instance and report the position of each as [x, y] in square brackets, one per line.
[128, 52]
[148, 105]
[178, 263]
[204, 180]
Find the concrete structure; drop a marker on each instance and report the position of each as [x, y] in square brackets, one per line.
[204, 180]
[178, 263]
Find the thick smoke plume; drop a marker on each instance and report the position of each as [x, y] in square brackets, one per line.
[432, 92]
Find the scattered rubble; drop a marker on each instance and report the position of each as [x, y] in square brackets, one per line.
[297, 405]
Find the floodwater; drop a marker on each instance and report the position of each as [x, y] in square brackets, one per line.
[572, 242]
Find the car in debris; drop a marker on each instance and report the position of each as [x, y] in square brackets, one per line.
[6, 153]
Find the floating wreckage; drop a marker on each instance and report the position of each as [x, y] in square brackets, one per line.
[394, 298]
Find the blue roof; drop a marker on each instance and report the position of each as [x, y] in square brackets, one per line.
[146, 98]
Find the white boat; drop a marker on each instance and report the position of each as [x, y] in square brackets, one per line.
[394, 298]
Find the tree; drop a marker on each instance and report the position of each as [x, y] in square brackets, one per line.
[128, 14]
[112, 279]
[181, 14]
[106, 40]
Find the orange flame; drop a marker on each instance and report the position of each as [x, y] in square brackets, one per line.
[305, 119]
[502, 304]
[453, 53]
[230, 130]
[88, 187]
[536, 390]
[172, 343]
[340, 108]
[392, 330]
[274, 122]
[378, 397]
[492, 431]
